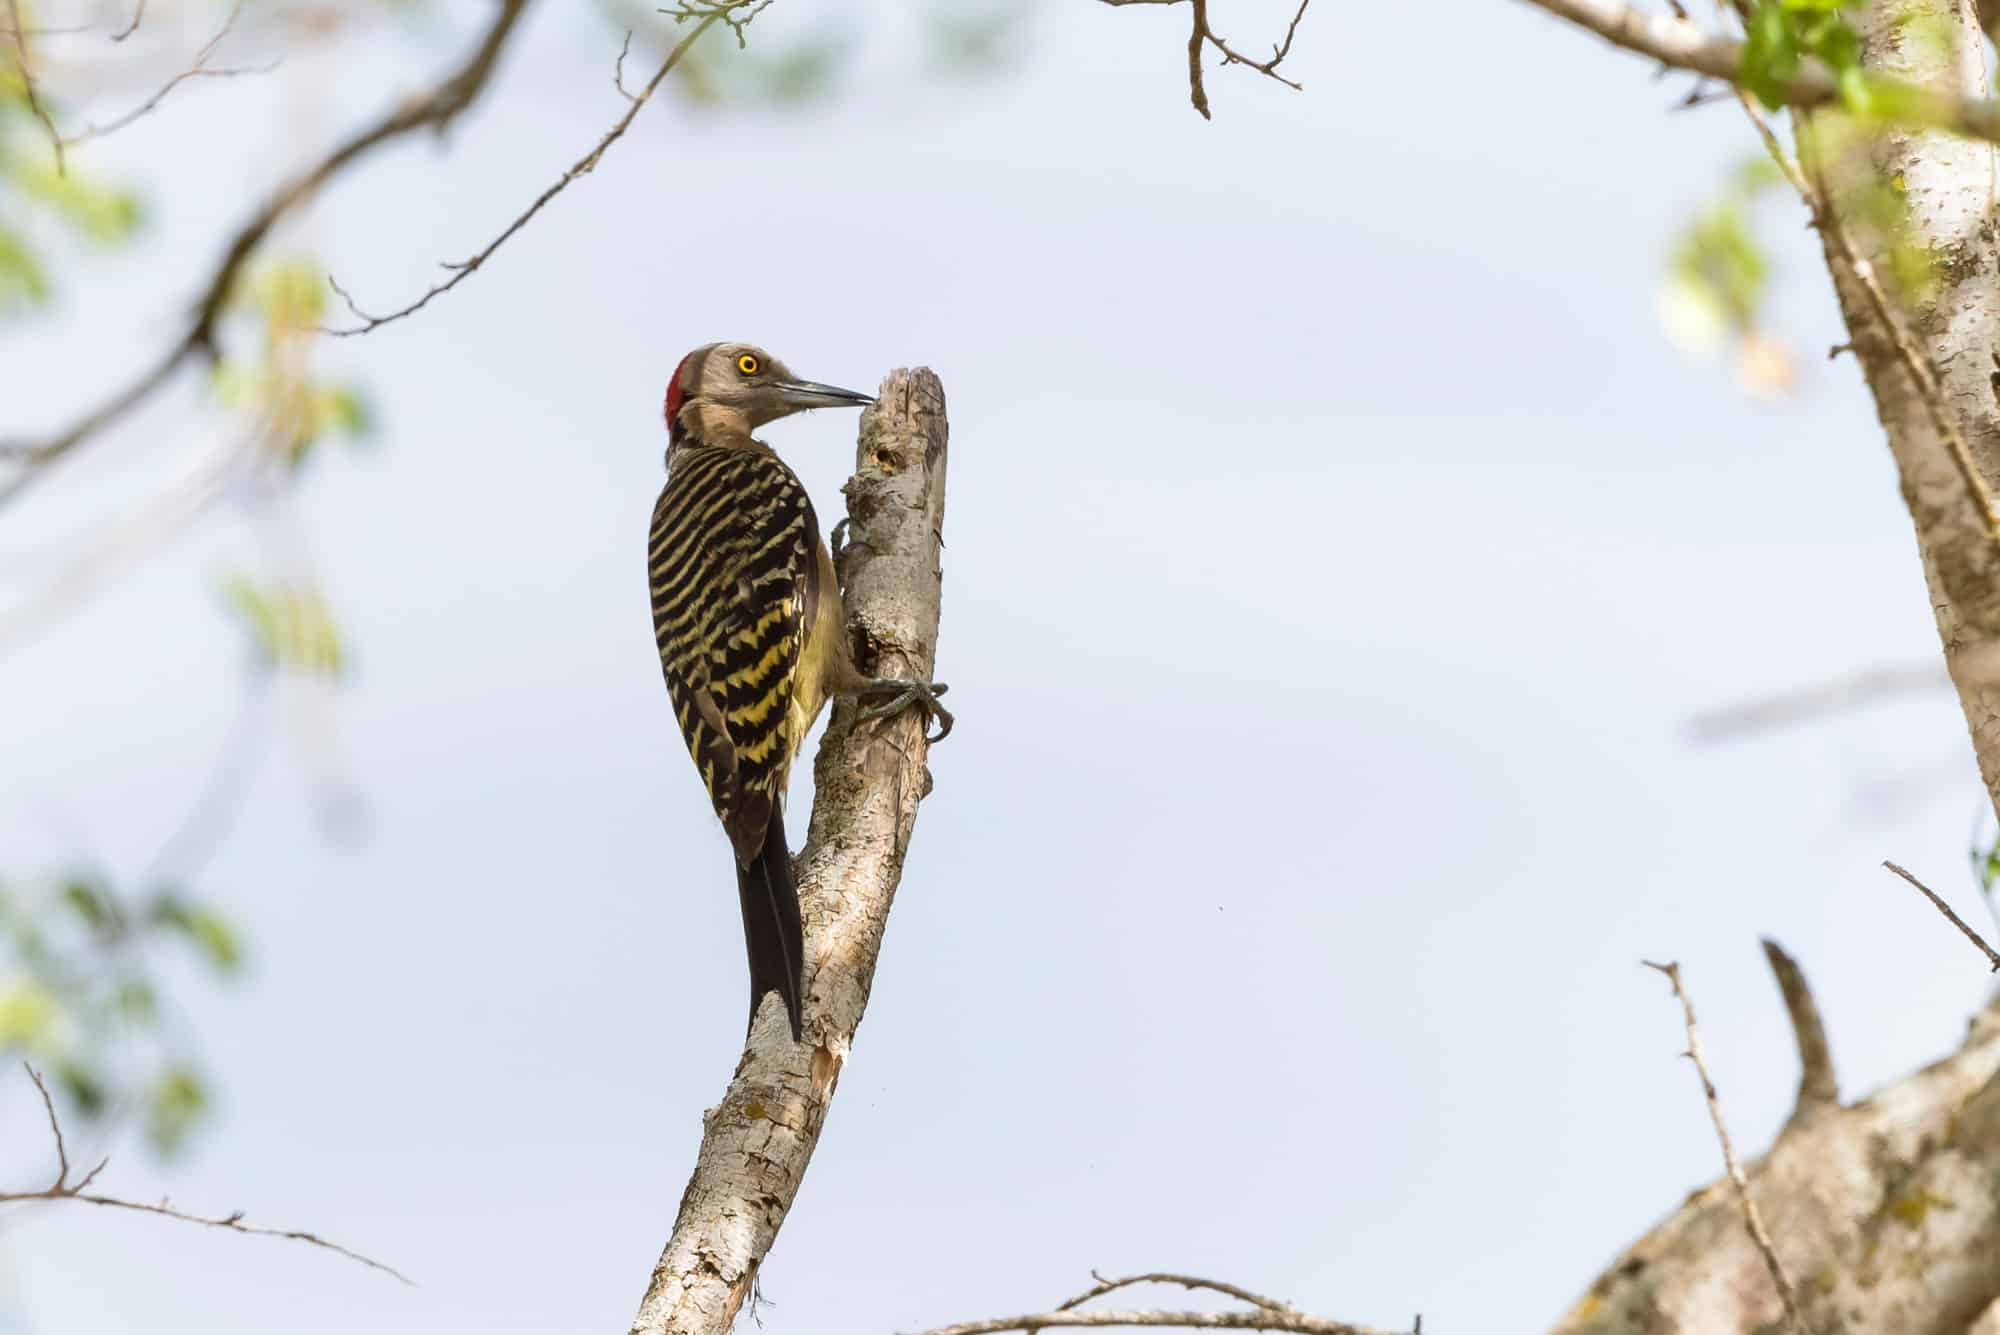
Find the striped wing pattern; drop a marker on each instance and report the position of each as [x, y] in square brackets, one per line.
[734, 577]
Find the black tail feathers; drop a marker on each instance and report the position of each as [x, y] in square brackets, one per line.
[773, 932]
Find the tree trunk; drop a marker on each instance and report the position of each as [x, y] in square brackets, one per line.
[868, 779]
[1886, 1214]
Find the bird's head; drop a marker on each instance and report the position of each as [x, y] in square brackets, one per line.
[739, 387]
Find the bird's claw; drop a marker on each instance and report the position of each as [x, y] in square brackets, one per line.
[836, 541]
[900, 695]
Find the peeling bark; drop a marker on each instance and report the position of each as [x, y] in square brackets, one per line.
[757, 1142]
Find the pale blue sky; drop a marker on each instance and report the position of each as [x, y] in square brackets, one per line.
[1336, 551]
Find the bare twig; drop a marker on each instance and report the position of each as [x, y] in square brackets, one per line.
[1279, 51]
[34, 96]
[618, 69]
[1678, 44]
[55, 1128]
[1262, 1314]
[719, 11]
[198, 70]
[1202, 35]
[1751, 1218]
[138, 17]
[1818, 1087]
[437, 110]
[1851, 692]
[1255, 1319]
[1106, 1285]
[1974, 937]
[62, 1189]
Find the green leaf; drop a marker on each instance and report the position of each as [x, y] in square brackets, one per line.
[344, 409]
[207, 930]
[23, 281]
[289, 294]
[1986, 865]
[89, 903]
[1770, 52]
[28, 1012]
[259, 616]
[136, 1001]
[102, 214]
[84, 1088]
[175, 1103]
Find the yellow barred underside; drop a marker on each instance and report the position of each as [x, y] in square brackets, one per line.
[734, 572]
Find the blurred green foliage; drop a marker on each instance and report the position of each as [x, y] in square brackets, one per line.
[1779, 33]
[286, 300]
[37, 202]
[1717, 278]
[1717, 260]
[291, 629]
[82, 996]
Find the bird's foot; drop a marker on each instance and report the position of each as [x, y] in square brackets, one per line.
[895, 694]
[836, 541]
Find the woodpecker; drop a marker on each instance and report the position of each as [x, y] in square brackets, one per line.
[752, 635]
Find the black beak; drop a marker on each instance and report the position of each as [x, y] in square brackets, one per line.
[799, 394]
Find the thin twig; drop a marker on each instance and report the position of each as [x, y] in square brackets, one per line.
[1105, 1285]
[1278, 52]
[1751, 1218]
[35, 106]
[436, 111]
[1254, 1319]
[1264, 1314]
[618, 69]
[1202, 35]
[64, 1190]
[55, 1127]
[1961, 924]
[464, 269]
[1818, 1086]
[198, 70]
[138, 17]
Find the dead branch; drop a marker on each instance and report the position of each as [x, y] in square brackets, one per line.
[709, 12]
[1818, 1087]
[436, 110]
[1751, 1218]
[35, 106]
[199, 69]
[1262, 1314]
[868, 779]
[62, 1189]
[1678, 44]
[1944, 908]
[1201, 34]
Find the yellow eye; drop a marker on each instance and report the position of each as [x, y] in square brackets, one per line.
[747, 364]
